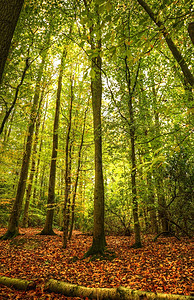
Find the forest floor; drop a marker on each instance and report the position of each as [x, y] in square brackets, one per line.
[164, 266]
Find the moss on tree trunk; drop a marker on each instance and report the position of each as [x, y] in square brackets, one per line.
[17, 283]
[72, 290]
[99, 242]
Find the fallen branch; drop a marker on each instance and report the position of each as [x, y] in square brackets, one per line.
[72, 290]
[17, 283]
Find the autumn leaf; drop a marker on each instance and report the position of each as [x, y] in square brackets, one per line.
[164, 266]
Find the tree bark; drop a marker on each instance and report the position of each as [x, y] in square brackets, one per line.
[99, 243]
[77, 177]
[72, 290]
[13, 225]
[8, 112]
[162, 207]
[191, 31]
[35, 194]
[66, 213]
[9, 14]
[48, 230]
[17, 283]
[151, 205]
[33, 165]
[131, 91]
[158, 174]
[173, 48]
[133, 184]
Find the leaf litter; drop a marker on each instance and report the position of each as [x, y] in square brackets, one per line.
[164, 266]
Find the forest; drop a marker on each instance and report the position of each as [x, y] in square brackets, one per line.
[96, 149]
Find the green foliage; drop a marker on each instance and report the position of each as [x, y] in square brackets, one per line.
[180, 176]
[36, 219]
[162, 107]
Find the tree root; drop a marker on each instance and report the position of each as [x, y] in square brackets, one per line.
[100, 254]
[45, 232]
[9, 235]
[136, 246]
[103, 256]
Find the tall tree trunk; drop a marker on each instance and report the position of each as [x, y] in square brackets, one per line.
[66, 212]
[39, 153]
[48, 230]
[13, 225]
[99, 242]
[77, 178]
[158, 175]
[150, 192]
[131, 91]
[9, 14]
[173, 48]
[33, 165]
[133, 179]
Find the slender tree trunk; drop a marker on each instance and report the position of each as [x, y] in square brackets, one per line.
[99, 242]
[151, 205]
[39, 153]
[33, 166]
[173, 48]
[131, 91]
[162, 207]
[62, 189]
[48, 230]
[42, 185]
[7, 131]
[77, 178]
[158, 175]
[133, 180]
[9, 14]
[28, 194]
[13, 225]
[66, 212]
[8, 112]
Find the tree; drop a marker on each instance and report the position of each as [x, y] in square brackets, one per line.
[68, 153]
[9, 14]
[99, 242]
[77, 176]
[13, 225]
[33, 162]
[132, 125]
[47, 230]
[173, 48]
[144, 122]
[8, 111]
